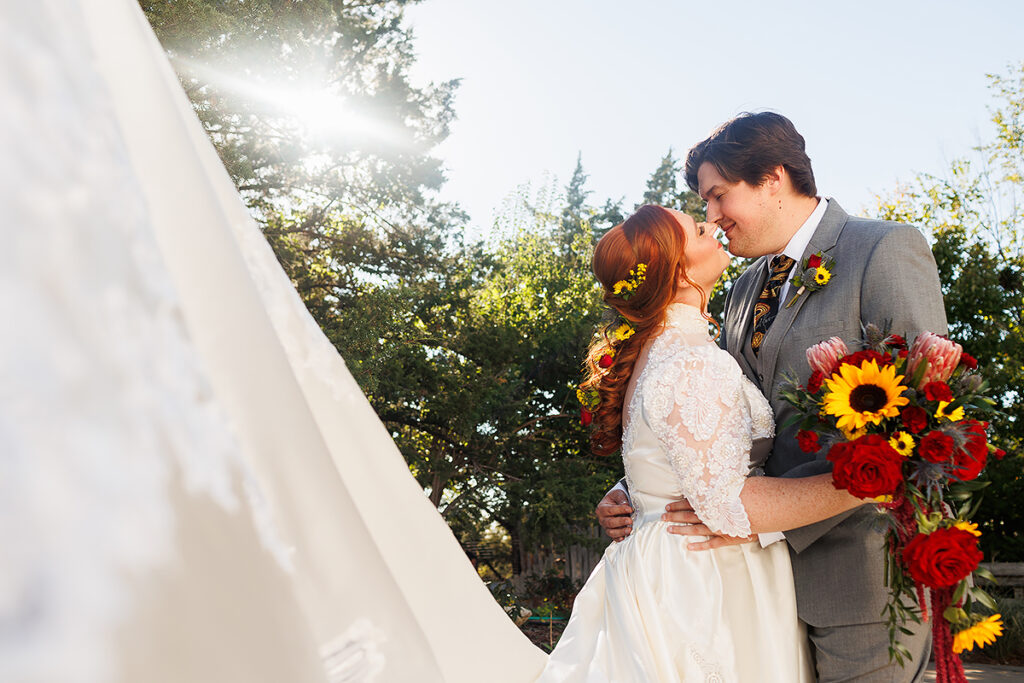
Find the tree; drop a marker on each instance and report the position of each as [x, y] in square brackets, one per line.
[974, 216]
[663, 189]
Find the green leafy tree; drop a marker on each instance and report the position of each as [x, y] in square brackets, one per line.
[974, 216]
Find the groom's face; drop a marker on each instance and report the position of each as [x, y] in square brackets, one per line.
[740, 209]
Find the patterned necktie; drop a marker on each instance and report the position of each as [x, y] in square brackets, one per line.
[767, 306]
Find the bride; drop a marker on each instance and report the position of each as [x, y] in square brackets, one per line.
[686, 420]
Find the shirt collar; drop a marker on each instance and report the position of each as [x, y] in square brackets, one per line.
[802, 237]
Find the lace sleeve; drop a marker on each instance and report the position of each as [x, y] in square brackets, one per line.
[696, 407]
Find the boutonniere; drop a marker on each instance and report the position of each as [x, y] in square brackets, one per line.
[814, 274]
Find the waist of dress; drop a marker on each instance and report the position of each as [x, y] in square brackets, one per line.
[648, 507]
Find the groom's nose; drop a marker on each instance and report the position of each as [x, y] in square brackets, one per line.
[713, 214]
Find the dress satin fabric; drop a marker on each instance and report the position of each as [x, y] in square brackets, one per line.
[653, 610]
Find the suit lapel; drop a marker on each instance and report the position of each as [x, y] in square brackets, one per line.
[740, 324]
[824, 238]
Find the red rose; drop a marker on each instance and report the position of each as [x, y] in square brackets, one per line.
[938, 391]
[914, 418]
[896, 341]
[808, 441]
[969, 361]
[814, 381]
[868, 467]
[936, 447]
[813, 261]
[586, 417]
[998, 454]
[862, 357]
[606, 360]
[903, 353]
[971, 459]
[942, 558]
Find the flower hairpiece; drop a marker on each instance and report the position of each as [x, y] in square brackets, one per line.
[622, 332]
[636, 277]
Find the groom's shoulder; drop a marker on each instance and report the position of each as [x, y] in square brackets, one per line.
[866, 232]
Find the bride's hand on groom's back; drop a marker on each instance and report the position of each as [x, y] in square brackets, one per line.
[613, 514]
[685, 522]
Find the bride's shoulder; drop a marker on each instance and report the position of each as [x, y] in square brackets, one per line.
[698, 360]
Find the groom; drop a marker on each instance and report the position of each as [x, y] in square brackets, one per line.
[757, 181]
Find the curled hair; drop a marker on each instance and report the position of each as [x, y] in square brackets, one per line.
[749, 147]
[654, 237]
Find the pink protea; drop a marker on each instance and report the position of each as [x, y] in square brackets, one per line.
[825, 356]
[939, 355]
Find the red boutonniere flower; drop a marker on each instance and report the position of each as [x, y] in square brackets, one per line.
[815, 272]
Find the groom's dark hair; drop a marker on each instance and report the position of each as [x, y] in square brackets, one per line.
[749, 147]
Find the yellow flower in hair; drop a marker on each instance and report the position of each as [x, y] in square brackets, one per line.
[619, 286]
[623, 332]
[982, 633]
[952, 416]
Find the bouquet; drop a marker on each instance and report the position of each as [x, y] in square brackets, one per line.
[901, 425]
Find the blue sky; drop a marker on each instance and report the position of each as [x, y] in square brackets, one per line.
[880, 90]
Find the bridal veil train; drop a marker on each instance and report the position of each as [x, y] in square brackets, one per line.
[192, 486]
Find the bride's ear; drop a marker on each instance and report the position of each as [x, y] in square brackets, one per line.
[681, 281]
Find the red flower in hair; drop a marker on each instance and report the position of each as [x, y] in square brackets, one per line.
[998, 454]
[606, 360]
[586, 417]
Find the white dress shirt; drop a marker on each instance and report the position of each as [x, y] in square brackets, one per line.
[798, 242]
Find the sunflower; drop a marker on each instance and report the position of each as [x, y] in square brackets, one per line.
[623, 332]
[969, 527]
[981, 634]
[902, 443]
[864, 395]
[953, 415]
[822, 276]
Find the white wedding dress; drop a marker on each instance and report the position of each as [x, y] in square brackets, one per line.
[653, 610]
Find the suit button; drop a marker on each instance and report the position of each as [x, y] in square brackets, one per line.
[760, 376]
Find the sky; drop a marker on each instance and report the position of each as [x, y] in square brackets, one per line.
[881, 91]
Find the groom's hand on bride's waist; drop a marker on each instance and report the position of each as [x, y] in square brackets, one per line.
[613, 514]
[685, 522]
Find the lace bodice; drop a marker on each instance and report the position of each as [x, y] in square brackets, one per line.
[691, 422]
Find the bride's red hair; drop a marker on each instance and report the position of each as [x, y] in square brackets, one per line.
[652, 236]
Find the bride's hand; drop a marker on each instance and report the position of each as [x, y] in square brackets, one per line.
[685, 522]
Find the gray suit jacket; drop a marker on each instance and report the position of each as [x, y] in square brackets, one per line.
[884, 272]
